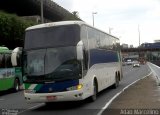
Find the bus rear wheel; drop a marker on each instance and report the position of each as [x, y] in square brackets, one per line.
[116, 84]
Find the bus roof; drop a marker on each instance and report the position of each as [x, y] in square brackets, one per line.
[55, 24]
[51, 24]
[4, 50]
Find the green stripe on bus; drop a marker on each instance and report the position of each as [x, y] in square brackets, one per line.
[38, 87]
[6, 83]
[26, 85]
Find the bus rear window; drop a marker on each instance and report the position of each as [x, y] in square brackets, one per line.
[5, 61]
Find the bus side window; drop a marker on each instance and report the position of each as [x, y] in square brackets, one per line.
[8, 63]
[19, 60]
[2, 61]
[85, 60]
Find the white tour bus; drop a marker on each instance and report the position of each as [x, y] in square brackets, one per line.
[69, 61]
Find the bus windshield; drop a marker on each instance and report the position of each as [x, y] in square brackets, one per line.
[51, 64]
[57, 36]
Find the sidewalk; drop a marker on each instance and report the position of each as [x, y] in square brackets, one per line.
[142, 98]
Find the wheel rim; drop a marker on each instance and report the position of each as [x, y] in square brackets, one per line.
[16, 85]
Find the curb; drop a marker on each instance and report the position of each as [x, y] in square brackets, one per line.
[154, 73]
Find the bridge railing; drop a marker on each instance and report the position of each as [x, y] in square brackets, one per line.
[155, 70]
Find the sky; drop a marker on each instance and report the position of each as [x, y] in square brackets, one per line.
[128, 20]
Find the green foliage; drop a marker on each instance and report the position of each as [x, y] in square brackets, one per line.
[12, 30]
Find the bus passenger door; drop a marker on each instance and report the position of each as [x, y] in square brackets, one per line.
[1, 72]
[1, 81]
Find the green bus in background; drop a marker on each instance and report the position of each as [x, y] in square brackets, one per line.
[10, 69]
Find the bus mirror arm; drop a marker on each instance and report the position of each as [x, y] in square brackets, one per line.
[80, 50]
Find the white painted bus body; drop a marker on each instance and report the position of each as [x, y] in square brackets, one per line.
[104, 73]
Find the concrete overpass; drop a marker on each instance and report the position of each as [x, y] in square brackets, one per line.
[149, 54]
[52, 11]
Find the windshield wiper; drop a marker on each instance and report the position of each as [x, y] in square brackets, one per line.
[63, 79]
[35, 79]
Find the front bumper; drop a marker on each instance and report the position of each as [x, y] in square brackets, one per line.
[55, 97]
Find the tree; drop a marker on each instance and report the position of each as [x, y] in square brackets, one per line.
[76, 14]
[12, 30]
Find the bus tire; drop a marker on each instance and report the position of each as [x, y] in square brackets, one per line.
[16, 85]
[116, 84]
[95, 90]
[49, 103]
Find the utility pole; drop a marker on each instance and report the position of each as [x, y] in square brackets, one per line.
[139, 36]
[42, 20]
[110, 29]
[93, 17]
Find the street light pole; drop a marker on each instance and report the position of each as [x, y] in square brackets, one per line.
[139, 36]
[110, 29]
[93, 17]
[42, 20]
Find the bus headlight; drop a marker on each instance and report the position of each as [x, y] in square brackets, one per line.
[78, 87]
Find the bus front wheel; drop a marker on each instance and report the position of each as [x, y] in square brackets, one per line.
[95, 88]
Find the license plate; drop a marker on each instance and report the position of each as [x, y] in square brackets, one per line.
[51, 98]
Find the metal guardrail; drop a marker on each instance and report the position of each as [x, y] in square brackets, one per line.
[155, 70]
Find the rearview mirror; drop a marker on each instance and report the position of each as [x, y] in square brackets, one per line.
[14, 57]
[80, 50]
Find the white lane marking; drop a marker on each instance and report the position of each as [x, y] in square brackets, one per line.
[34, 107]
[115, 96]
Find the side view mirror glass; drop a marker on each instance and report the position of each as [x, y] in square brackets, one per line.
[80, 50]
